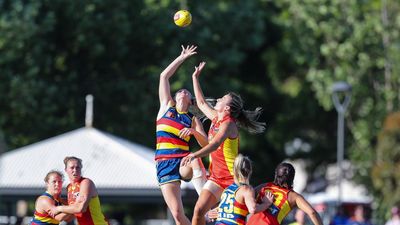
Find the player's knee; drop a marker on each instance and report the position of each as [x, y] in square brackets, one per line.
[177, 214]
[186, 173]
[200, 210]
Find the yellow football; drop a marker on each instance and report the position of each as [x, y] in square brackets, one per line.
[182, 18]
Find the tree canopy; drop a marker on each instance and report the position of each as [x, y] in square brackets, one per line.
[281, 55]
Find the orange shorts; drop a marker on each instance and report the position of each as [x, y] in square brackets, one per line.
[223, 182]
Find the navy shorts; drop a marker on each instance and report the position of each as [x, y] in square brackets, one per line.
[168, 170]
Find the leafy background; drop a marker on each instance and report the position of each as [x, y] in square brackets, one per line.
[281, 55]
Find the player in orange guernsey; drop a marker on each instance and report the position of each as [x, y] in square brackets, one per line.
[175, 126]
[223, 147]
[50, 198]
[83, 199]
[285, 199]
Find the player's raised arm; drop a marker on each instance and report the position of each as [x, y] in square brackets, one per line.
[164, 90]
[201, 102]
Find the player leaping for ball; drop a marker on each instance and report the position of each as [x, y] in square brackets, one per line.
[227, 115]
[175, 126]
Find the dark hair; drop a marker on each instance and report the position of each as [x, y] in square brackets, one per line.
[69, 158]
[47, 177]
[284, 175]
[247, 119]
[194, 109]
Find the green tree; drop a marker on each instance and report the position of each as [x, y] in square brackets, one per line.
[53, 53]
[355, 41]
[282, 55]
[384, 172]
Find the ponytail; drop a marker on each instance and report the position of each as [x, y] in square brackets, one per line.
[194, 109]
[242, 169]
[247, 119]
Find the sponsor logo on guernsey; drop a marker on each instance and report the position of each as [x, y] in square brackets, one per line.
[186, 125]
[170, 115]
[226, 215]
[273, 210]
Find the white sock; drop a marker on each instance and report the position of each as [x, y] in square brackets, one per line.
[198, 180]
[197, 173]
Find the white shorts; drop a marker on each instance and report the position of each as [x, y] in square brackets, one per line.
[214, 188]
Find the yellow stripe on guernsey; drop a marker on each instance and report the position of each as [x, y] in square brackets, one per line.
[284, 211]
[173, 130]
[95, 211]
[48, 219]
[171, 146]
[240, 211]
[231, 150]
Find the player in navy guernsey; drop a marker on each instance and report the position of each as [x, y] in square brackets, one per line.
[50, 198]
[238, 200]
[175, 126]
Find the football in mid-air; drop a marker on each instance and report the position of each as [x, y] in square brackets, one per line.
[182, 18]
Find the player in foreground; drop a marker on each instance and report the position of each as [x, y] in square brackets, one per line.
[175, 126]
[238, 200]
[227, 115]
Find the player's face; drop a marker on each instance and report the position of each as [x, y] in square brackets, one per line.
[183, 95]
[223, 103]
[73, 170]
[54, 184]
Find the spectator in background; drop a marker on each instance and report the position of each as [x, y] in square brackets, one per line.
[359, 217]
[395, 219]
[340, 217]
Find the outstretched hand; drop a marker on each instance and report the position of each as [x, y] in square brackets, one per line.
[198, 69]
[188, 51]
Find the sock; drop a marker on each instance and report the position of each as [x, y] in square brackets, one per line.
[198, 180]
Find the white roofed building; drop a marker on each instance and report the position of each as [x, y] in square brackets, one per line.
[118, 167]
[121, 170]
[124, 173]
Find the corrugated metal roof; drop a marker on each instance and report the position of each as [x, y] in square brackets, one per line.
[111, 162]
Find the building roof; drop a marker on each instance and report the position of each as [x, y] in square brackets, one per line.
[116, 166]
[327, 186]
